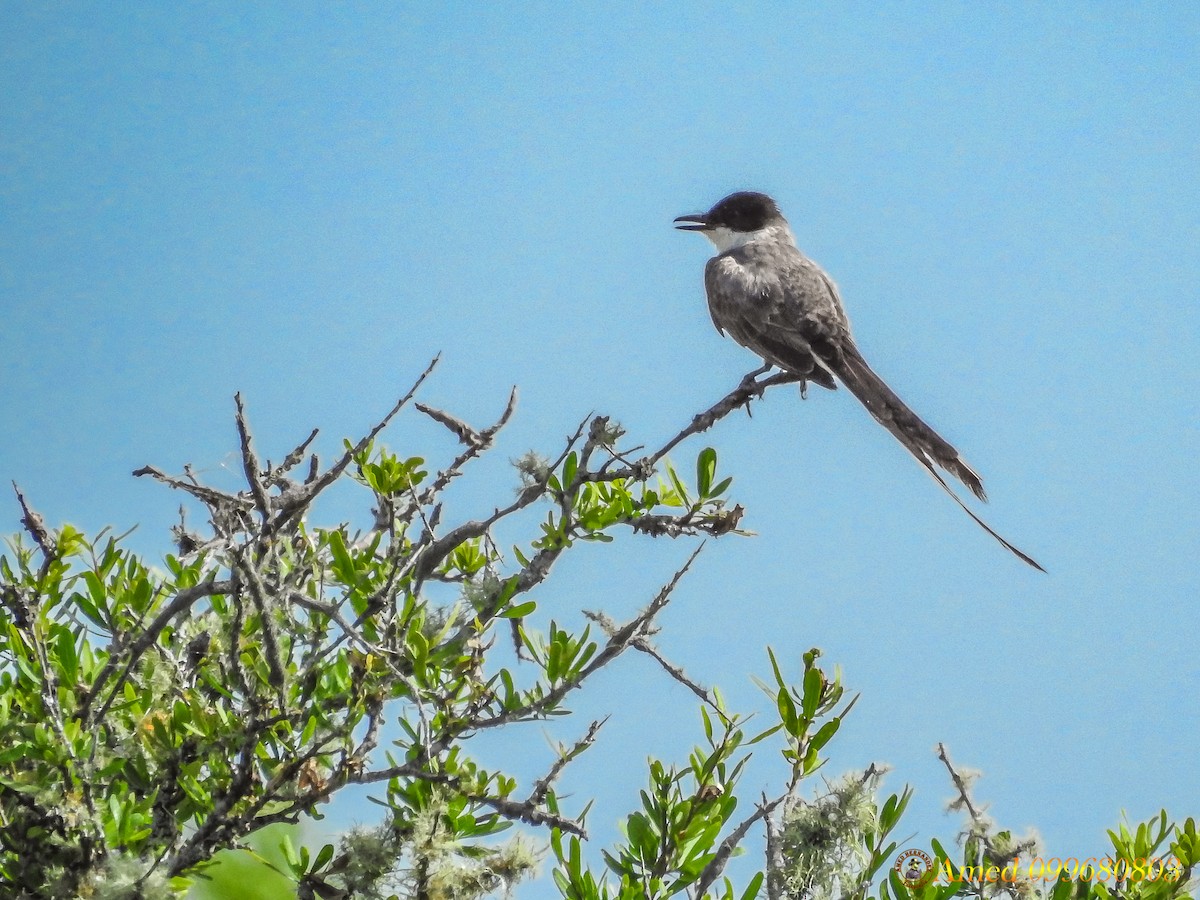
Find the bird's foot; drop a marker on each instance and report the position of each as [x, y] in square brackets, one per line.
[750, 379]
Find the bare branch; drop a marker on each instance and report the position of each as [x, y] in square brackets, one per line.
[981, 827]
[717, 864]
[250, 463]
[618, 642]
[750, 388]
[305, 495]
[678, 674]
[960, 784]
[439, 549]
[35, 525]
[485, 441]
[464, 432]
[258, 594]
[293, 459]
[542, 786]
[210, 497]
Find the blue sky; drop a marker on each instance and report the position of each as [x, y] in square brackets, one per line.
[306, 204]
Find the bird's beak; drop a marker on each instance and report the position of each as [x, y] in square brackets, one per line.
[697, 222]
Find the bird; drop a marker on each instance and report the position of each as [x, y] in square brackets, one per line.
[773, 300]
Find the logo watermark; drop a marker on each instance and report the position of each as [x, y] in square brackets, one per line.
[917, 869]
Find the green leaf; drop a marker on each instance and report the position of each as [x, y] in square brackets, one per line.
[679, 488]
[519, 612]
[813, 682]
[775, 668]
[419, 647]
[721, 488]
[762, 735]
[564, 885]
[65, 650]
[899, 888]
[706, 468]
[89, 609]
[824, 733]
[641, 835]
[310, 728]
[554, 661]
[812, 761]
[323, 858]
[938, 848]
[343, 564]
[787, 712]
[753, 887]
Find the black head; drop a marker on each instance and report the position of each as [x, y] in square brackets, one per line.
[743, 211]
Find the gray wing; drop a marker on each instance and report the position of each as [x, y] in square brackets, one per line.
[743, 307]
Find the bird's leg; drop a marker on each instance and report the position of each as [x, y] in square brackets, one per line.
[751, 378]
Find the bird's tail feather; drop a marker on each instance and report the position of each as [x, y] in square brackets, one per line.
[925, 444]
[1021, 555]
[894, 415]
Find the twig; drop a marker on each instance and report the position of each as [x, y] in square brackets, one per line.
[209, 496]
[305, 495]
[716, 524]
[35, 525]
[618, 642]
[529, 814]
[678, 674]
[750, 388]
[961, 786]
[250, 465]
[717, 864]
[443, 546]
[542, 786]
[485, 441]
[774, 854]
[276, 474]
[258, 594]
[464, 432]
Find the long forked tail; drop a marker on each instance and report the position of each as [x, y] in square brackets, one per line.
[891, 412]
[928, 447]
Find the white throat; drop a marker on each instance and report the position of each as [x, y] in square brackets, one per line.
[726, 239]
